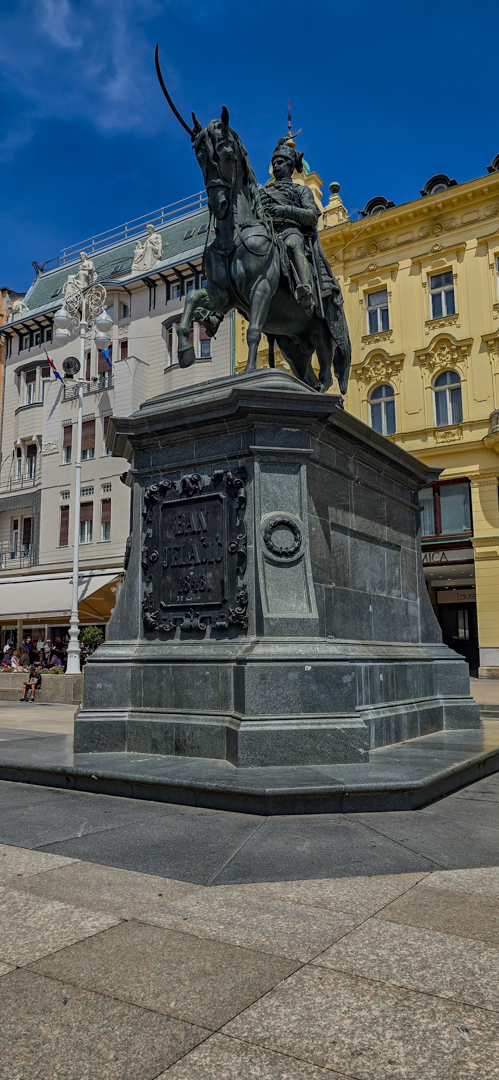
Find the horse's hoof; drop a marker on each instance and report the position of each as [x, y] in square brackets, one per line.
[186, 357]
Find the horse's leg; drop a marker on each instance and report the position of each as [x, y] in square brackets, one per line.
[324, 347]
[260, 303]
[214, 299]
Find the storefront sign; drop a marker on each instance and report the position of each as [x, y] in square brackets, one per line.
[447, 556]
[456, 596]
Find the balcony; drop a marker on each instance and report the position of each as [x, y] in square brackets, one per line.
[12, 485]
[16, 560]
[92, 386]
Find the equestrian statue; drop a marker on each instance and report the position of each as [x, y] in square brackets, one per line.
[266, 259]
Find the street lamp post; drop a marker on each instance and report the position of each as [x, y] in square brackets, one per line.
[82, 311]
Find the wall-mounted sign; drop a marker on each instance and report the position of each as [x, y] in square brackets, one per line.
[456, 596]
[447, 556]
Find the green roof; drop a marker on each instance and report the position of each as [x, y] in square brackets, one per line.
[115, 262]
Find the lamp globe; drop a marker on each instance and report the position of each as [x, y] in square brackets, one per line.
[62, 319]
[104, 322]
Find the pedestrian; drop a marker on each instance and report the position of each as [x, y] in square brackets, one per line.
[33, 683]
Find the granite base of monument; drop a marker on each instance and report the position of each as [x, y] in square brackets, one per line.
[274, 610]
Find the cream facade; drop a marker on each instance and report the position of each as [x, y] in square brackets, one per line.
[421, 288]
[39, 422]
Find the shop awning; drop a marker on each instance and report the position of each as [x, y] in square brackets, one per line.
[47, 597]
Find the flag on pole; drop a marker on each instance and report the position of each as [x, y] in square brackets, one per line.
[54, 369]
[105, 353]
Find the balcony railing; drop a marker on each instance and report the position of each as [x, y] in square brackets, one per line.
[15, 484]
[16, 560]
[92, 386]
[121, 233]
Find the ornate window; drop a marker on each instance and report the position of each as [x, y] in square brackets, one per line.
[442, 295]
[377, 311]
[448, 400]
[382, 409]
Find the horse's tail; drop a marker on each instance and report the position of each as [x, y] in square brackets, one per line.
[271, 340]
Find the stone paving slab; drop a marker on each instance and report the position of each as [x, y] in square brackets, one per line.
[31, 927]
[396, 996]
[447, 910]
[201, 981]
[55, 1031]
[418, 959]
[269, 925]
[223, 1058]
[481, 880]
[372, 1031]
[21, 862]
[358, 897]
[104, 888]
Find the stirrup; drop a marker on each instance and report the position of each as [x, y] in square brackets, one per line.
[304, 296]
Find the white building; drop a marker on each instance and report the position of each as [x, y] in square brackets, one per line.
[39, 417]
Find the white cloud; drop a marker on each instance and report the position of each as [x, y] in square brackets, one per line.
[54, 15]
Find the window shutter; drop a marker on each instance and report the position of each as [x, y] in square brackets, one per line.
[106, 511]
[203, 336]
[88, 435]
[31, 450]
[64, 528]
[86, 511]
[45, 373]
[67, 435]
[123, 350]
[106, 425]
[31, 375]
[88, 358]
[27, 531]
[102, 362]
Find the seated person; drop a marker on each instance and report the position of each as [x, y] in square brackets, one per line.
[17, 660]
[55, 660]
[7, 658]
[34, 682]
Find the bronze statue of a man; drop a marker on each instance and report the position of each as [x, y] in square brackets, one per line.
[294, 213]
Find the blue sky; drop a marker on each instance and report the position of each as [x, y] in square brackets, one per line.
[387, 95]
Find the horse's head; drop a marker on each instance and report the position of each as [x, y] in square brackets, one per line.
[222, 157]
[216, 152]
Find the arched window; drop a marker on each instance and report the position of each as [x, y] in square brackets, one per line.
[382, 407]
[448, 402]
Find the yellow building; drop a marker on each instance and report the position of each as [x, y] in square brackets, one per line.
[421, 289]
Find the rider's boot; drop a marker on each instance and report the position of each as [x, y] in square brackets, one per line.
[305, 297]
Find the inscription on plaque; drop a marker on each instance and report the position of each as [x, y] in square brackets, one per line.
[194, 549]
[194, 553]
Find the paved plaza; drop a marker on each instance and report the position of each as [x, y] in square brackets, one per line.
[145, 940]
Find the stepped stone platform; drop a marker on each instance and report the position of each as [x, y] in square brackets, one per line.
[406, 776]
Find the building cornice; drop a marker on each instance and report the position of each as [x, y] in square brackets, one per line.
[421, 210]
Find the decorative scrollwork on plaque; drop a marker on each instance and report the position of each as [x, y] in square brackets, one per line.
[280, 550]
[194, 553]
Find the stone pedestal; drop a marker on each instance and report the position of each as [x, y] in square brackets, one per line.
[274, 610]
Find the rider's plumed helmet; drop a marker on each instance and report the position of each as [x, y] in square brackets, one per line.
[286, 148]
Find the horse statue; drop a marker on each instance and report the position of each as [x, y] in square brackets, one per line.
[245, 267]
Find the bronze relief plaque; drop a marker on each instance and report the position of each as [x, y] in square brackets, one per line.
[194, 553]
